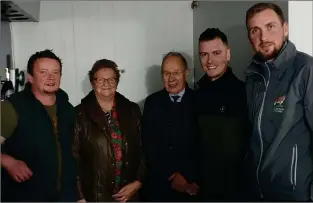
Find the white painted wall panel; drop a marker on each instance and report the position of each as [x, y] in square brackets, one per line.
[300, 25]
[93, 34]
[135, 34]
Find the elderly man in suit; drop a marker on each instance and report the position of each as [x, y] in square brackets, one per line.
[169, 135]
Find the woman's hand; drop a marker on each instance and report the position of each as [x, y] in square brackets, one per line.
[127, 192]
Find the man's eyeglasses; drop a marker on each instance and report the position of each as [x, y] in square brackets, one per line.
[174, 74]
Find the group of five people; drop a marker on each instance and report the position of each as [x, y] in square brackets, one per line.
[228, 140]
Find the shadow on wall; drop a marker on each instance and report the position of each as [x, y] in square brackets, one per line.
[191, 78]
[153, 82]
[86, 87]
[153, 79]
[240, 49]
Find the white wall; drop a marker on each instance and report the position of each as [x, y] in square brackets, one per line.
[300, 25]
[135, 34]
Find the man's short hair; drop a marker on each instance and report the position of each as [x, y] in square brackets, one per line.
[259, 7]
[41, 54]
[211, 34]
[175, 54]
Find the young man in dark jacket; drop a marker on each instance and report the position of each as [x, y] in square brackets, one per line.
[37, 126]
[279, 90]
[222, 118]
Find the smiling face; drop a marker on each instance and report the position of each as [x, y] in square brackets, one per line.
[104, 82]
[174, 74]
[214, 56]
[46, 76]
[267, 33]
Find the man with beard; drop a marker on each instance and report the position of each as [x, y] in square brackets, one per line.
[37, 125]
[222, 118]
[280, 100]
[169, 136]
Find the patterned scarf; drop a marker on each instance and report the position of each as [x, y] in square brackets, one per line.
[117, 143]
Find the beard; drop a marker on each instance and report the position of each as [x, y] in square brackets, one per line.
[50, 91]
[271, 55]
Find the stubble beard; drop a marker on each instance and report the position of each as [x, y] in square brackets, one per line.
[273, 54]
[50, 92]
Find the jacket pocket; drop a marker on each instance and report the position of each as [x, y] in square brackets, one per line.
[293, 166]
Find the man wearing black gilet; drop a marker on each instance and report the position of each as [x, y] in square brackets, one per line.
[36, 135]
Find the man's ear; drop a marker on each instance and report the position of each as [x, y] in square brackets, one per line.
[186, 74]
[285, 28]
[30, 78]
[228, 54]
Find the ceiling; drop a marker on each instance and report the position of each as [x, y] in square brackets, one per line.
[18, 11]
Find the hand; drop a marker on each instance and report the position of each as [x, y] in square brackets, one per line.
[127, 192]
[81, 201]
[178, 182]
[192, 189]
[16, 168]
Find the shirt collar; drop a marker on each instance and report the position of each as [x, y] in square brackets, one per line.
[180, 94]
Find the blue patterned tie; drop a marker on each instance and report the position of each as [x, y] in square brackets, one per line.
[175, 98]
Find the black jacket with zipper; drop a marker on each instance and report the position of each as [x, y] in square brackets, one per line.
[224, 132]
[280, 100]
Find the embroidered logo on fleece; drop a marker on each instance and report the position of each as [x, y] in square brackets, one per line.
[279, 104]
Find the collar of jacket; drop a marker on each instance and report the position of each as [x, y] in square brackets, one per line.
[93, 110]
[187, 95]
[205, 81]
[61, 95]
[281, 62]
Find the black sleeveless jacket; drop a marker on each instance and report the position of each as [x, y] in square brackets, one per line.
[35, 143]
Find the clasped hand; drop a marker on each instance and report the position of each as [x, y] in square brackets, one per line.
[127, 192]
[179, 183]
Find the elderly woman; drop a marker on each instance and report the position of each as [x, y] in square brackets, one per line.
[107, 142]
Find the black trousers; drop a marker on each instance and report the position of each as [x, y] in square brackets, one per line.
[154, 194]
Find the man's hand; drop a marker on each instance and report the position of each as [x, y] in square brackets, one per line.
[17, 169]
[81, 201]
[192, 189]
[127, 192]
[2, 139]
[178, 182]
